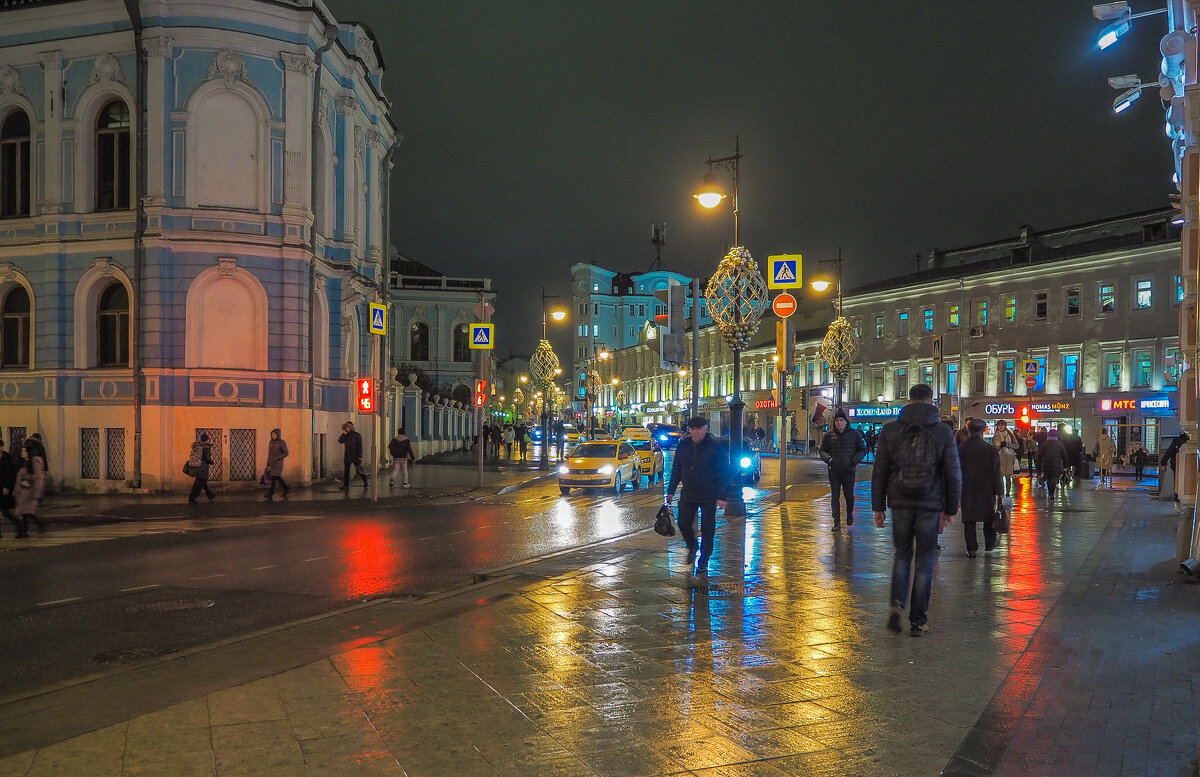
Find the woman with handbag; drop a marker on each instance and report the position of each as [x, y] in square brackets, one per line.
[982, 487]
[277, 451]
[199, 459]
[31, 484]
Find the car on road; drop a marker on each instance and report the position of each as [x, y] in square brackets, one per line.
[572, 434]
[667, 436]
[748, 464]
[599, 434]
[650, 459]
[600, 465]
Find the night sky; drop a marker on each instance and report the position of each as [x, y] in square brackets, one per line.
[539, 134]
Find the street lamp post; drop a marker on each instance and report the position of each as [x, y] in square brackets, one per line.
[543, 366]
[737, 298]
[839, 347]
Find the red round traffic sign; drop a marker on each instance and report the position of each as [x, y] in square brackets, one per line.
[1030, 381]
[783, 305]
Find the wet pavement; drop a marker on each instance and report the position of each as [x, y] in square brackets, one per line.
[1072, 650]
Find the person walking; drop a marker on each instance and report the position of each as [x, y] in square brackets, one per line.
[701, 465]
[560, 433]
[1006, 445]
[1074, 445]
[8, 484]
[277, 451]
[1137, 457]
[30, 486]
[917, 475]
[509, 436]
[1052, 460]
[522, 433]
[352, 453]
[401, 450]
[1105, 451]
[199, 459]
[982, 487]
[961, 435]
[842, 448]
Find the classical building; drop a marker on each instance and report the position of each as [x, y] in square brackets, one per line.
[208, 271]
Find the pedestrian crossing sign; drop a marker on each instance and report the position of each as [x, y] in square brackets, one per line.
[1031, 367]
[482, 336]
[784, 271]
[378, 322]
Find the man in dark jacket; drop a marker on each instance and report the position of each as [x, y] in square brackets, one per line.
[702, 465]
[8, 486]
[917, 475]
[352, 453]
[842, 448]
[1052, 458]
[982, 489]
[1074, 445]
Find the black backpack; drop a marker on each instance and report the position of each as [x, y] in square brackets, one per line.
[915, 474]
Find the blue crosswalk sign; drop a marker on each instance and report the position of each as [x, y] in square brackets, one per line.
[378, 320]
[482, 336]
[784, 271]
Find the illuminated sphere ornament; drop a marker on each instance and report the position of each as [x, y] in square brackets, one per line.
[839, 347]
[593, 384]
[620, 397]
[543, 364]
[518, 396]
[737, 297]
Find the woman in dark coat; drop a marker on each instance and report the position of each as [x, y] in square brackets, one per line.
[1052, 459]
[199, 459]
[30, 487]
[982, 487]
[277, 451]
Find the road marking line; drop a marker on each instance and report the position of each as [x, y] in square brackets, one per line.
[139, 588]
[207, 577]
[259, 569]
[427, 538]
[60, 601]
[485, 526]
[464, 531]
[316, 558]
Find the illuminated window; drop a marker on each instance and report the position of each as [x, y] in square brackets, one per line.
[952, 319]
[1071, 304]
[112, 157]
[1070, 372]
[927, 315]
[901, 381]
[1010, 309]
[1112, 370]
[927, 374]
[1007, 375]
[981, 313]
[14, 166]
[1178, 280]
[1108, 298]
[878, 327]
[1144, 295]
[1142, 365]
[1039, 305]
[902, 324]
[952, 378]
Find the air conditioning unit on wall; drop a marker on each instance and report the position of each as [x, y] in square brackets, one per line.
[978, 331]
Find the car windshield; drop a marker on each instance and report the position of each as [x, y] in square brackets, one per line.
[596, 451]
[641, 445]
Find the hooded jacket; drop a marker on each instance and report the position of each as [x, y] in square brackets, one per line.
[843, 451]
[702, 468]
[945, 488]
[277, 451]
[1052, 456]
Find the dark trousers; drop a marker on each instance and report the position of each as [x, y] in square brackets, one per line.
[708, 530]
[1052, 477]
[198, 485]
[972, 536]
[282, 483]
[840, 481]
[346, 473]
[911, 528]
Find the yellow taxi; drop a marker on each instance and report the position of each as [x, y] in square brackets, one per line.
[600, 465]
[650, 455]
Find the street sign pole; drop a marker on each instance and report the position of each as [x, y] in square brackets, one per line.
[784, 434]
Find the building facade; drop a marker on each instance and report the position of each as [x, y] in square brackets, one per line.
[206, 271]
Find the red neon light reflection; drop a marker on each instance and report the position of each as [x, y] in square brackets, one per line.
[371, 559]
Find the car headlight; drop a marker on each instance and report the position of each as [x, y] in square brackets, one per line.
[564, 470]
[662, 437]
[606, 469]
[746, 462]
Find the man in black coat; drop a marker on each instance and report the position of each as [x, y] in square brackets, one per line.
[917, 475]
[702, 465]
[1052, 458]
[352, 453]
[982, 489]
[8, 485]
[842, 448]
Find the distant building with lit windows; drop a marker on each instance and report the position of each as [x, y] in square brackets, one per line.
[208, 272]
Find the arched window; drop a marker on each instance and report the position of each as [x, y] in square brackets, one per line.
[462, 394]
[14, 166]
[14, 329]
[462, 343]
[112, 157]
[112, 327]
[418, 342]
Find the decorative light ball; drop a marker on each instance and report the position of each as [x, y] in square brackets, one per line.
[518, 396]
[593, 383]
[839, 347]
[737, 297]
[543, 364]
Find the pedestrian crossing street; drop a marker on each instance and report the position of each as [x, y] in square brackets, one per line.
[76, 533]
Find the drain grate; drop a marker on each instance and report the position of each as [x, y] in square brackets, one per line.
[176, 605]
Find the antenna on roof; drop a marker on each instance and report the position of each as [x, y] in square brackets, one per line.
[658, 239]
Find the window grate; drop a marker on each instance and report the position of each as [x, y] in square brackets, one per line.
[16, 438]
[114, 454]
[89, 453]
[242, 454]
[216, 470]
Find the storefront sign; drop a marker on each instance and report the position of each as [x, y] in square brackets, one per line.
[1155, 403]
[1107, 405]
[999, 408]
[1050, 407]
[1009, 410]
[764, 404]
[872, 412]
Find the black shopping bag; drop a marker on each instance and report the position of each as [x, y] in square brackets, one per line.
[664, 522]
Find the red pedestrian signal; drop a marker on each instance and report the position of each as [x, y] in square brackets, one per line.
[365, 389]
[480, 392]
[1023, 417]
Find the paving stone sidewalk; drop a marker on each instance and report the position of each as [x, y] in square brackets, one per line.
[1071, 651]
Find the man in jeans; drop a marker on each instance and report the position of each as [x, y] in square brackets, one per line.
[702, 465]
[917, 475]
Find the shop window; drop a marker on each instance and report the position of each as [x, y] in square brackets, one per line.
[1107, 298]
[1142, 366]
[1071, 303]
[1144, 294]
[1112, 371]
[902, 324]
[1010, 310]
[14, 328]
[1040, 303]
[901, 381]
[952, 318]
[951, 378]
[878, 327]
[112, 157]
[927, 315]
[1070, 372]
[1007, 376]
[14, 165]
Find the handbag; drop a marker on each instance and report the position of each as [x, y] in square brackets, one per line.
[266, 477]
[187, 470]
[1001, 521]
[664, 522]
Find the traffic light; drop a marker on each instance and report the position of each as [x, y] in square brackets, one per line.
[365, 390]
[671, 347]
[1023, 416]
[480, 392]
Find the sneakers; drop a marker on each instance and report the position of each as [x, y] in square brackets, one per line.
[406, 485]
[893, 621]
[919, 631]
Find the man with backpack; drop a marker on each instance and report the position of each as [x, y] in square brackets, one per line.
[917, 475]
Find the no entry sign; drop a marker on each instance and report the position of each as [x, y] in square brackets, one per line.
[783, 305]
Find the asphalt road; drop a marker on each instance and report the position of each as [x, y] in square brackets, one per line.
[100, 598]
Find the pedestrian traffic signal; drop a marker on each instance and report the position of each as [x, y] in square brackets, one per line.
[1023, 416]
[480, 392]
[365, 388]
[672, 349]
